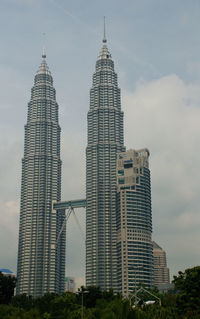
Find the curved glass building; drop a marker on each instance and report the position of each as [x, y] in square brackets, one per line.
[134, 221]
[105, 140]
[41, 259]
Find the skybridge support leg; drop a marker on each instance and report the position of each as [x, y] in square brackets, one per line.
[69, 211]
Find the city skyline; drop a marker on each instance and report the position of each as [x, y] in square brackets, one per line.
[159, 75]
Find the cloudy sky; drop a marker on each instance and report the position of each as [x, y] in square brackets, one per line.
[156, 48]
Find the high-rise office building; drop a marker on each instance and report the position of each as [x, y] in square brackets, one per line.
[105, 139]
[134, 222]
[41, 257]
[160, 269]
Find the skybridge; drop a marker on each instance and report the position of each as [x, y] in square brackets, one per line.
[69, 206]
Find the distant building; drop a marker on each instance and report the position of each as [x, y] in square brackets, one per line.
[70, 284]
[7, 272]
[134, 222]
[163, 288]
[160, 269]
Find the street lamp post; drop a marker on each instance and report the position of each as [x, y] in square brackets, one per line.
[82, 305]
[82, 292]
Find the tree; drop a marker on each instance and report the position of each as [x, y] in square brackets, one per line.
[23, 301]
[10, 312]
[90, 295]
[187, 284]
[44, 303]
[63, 305]
[7, 286]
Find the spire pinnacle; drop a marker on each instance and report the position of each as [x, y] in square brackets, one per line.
[104, 31]
[44, 49]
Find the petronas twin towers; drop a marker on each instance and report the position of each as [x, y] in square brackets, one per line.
[105, 140]
[41, 252]
[41, 260]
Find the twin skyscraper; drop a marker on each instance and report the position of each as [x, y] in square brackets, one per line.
[118, 193]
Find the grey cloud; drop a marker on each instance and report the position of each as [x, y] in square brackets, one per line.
[163, 115]
[9, 233]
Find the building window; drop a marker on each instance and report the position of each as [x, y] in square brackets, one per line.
[121, 172]
[121, 180]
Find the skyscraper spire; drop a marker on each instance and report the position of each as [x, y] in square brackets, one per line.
[104, 53]
[44, 49]
[104, 31]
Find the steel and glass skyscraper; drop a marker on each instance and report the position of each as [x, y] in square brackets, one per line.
[41, 257]
[134, 221]
[105, 139]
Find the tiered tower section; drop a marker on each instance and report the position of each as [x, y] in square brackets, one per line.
[41, 259]
[105, 139]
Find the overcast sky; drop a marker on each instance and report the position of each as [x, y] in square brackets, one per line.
[155, 45]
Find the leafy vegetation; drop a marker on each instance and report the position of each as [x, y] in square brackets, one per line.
[188, 285]
[182, 303]
[7, 286]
